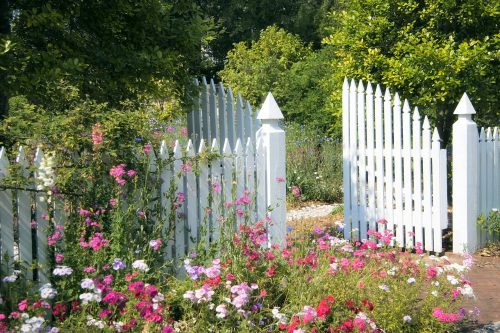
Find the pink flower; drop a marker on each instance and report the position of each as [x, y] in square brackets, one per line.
[59, 258]
[113, 202]
[147, 148]
[155, 244]
[382, 221]
[186, 167]
[170, 129]
[296, 191]
[131, 173]
[445, 317]
[89, 269]
[23, 305]
[216, 187]
[117, 171]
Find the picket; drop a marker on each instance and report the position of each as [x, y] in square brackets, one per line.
[398, 172]
[24, 215]
[346, 163]
[191, 197]
[222, 114]
[180, 228]
[417, 177]
[370, 169]
[212, 100]
[216, 208]
[427, 192]
[204, 185]
[42, 227]
[239, 171]
[388, 165]
[379, 166]
[165, 176]
[353, 223]
[407, 181]
[239, 118]
[363, 227]
[6, 216]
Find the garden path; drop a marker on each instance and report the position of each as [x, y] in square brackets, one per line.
[318, 210]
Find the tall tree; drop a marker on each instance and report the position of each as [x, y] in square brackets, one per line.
[4, 32]
[431, 51]
[110, 51]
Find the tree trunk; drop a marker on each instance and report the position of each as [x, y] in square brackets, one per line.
[4, 31]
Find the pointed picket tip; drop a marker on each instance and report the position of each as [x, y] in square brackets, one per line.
[249, 107]
[482, 134]
[416, 114]
[270, 109]
[406, 106]
[196, 82]
[387, 95]
[226, 150]
[238, 148]
[215, 146]
[21, 157]
[190, 149]
[397, 100]
[352, 87]
[38, 156]
[464, 106]
[369, 89]
[177, 149]
[488, 133]
[345, 85]
[230, 96]
[435, 135]
[221, 88]
[361, 87]
[163, 149]
[249, 146]
[202, 147]
[239, 99]
[212, 86]
[4, 161]
[378, 91]
[204, 80]
[426, 124]
[495, 134]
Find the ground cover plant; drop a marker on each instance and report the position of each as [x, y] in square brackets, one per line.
[111, 274]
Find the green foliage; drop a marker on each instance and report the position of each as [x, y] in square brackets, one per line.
[109, 51]
[430, 52]
[490, 223]
[314, 165]
[254, 71]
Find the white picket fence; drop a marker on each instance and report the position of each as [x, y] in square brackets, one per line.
[476, 178]
[256, 165]
[394, 170]
[215, 115]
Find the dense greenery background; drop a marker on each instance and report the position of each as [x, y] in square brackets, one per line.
[125, 56]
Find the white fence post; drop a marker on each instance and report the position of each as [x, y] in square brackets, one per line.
[465, 178]
[273, 139]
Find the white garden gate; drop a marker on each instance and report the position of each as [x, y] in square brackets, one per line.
[394, 169]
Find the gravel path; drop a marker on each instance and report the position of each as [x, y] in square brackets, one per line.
[310, 212]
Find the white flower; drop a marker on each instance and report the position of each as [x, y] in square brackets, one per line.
[47, 292]
[453, 280]
[392, 271]
[10, 278]
[384, 287]
[276, 314]
[411, 280]
[87, 284]
[407, 319]
[222, 311]
[62, 271]
[140, 265]
[434, 293]
[435, 283]
[90, 297]
[467, 290]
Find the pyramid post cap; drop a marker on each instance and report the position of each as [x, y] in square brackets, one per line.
[464, 107]
[270, 109]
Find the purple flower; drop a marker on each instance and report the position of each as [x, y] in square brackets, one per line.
[118, 264]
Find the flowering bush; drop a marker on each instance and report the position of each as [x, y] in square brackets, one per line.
[111, 273]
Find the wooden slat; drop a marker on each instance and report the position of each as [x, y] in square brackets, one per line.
[239, 172]
[346, 166]
[239, 119]
[379, 152]
[489, 171]
[24, 215]
[180, 218]
[407, 180]
[227, 179]
[212, 103]
[353, 223]
[166, 201]
[197, 118]
[6, 217]
[417, 174]
[42, 227]
[398, 173]
[362, 162]
[217, 210]
[191, 199]
[436, 192]
[203, 187]
[248, 122]
[205, 110]
[388, 129]
[481, 205]
[191, 114]
[230, 116]
[222, 115]
[427, 198]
